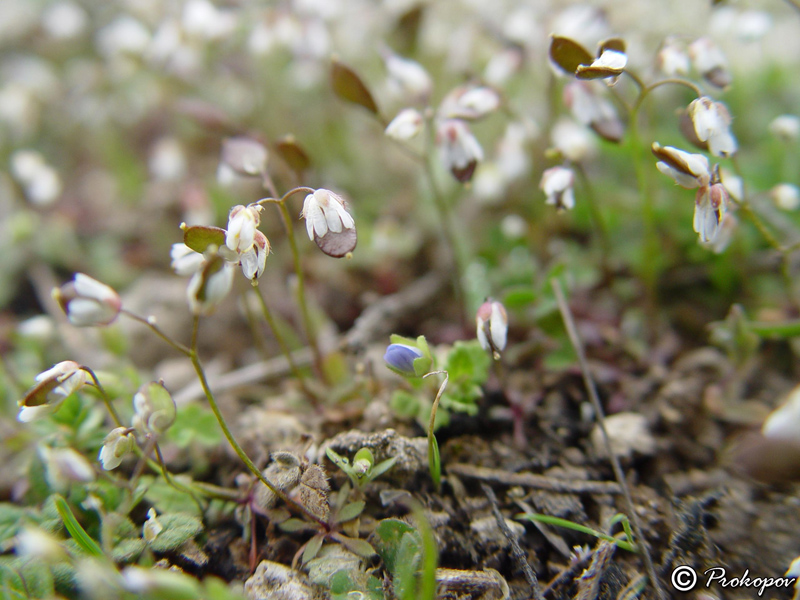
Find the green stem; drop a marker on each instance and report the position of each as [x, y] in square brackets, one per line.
[434, 463]
[578, 527]
[198, 367]
[150, 322]
[104, 396]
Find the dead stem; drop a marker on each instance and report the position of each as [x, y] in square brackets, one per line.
[591, 388]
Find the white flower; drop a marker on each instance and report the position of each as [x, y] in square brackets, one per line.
[785, 127]
[117, 444]
[786, 196]
[152, 527]
[727, 227]
[492, 326]
[709, 60]
[185, 261]
[572, 140]
[209, 285]
[242, 224]
[325, 211]
[154, 409]
[710, 205]
[40, 181]
[459, 151]
[557, 185]
[254, 260]
[406, 125]
[64, 466]
[407, 76]
[688, 170]
[712, 122]
[33, 543]
[52, 387]
[590, 109]
[87, 302]
[469, 102]
[672, 59]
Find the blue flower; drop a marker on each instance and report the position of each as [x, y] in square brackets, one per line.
[400, 358]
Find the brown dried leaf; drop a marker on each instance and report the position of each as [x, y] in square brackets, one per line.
[568, 55]
[293, 154]
[348, 86]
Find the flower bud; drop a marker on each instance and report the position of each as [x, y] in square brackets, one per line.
[242, 224]
[254, 261]
[557, 185]
[460, 152]
[53, 387]
[785, 127]
[154, 409]
[116, 446]
[209, 286]
[405, 126]
[710, 205]
[712, 122]
[492, 327]
[401, 358]
[466, 102]
[87, 302]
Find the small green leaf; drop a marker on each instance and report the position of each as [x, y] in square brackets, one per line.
[350, 511]
[348, 86]
[360, 547]
[195, 423]
[568, 55]
[295, 525]
[74, 528]
[405, 404]
[521, 297]
[365, 454]
[179, 528]
[128, 550]
[200, 237]
[382, 467]
[312, 547]
[468, 361]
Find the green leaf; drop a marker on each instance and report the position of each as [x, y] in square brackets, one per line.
[179, 528]
[10, 520]
[312, 547]
[350, 511]
[521, 297]
[200, 237]
[167, 499]
[360, 547]
[568, 55]
[295, 525]
[128, 550]
[390, 532]
[382, 467]
[467, 361]
[365, 454]
[348, 86]
[78, 533]
[195, 423]
[405, 404]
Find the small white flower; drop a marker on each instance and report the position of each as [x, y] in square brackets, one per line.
[575, 142]
[209, 285]
[688, 170]
[255, 260]
[87, 302]
[64, 466]
[785, 127]
[242, 224]
[712, 122]
[557, 185]
[185, 261]
[672, 58]
[710, 205]
[710, 62]
[117, 444]
[325, 211]
[406, 125]
[52, 387]
[152, 527]
[459, 150]
[590, 109]
[785, 196]
[40, 181]
[407, 76]
[469, 102]
[492, 326]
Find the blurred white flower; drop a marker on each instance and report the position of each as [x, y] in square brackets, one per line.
[592, 110]
[209, 285]
[116, 445]
[167, 160]
[64, 466]
[785, 127]
[459, 150]
[710, 205]
[185, 261]
[672, 58]
[469, 102]
[407, 77]
[406, 125]
[710, 62]
[40, 181]
[64, 20]
[574, 141]
[87, 302]
[688, 170]
[503, 65]
[557, 185]
[786, 196]
[783, 423]
[125, 35]
[204, 20]
[254, 260]
[33, 543]
[242, 224]
[727, 227]
[52, 387]
[712, 123]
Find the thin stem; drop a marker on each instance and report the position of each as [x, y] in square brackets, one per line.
[301, 291]
[594, 209]
[198, 367]
[572, 332]
[281, 342]
[174, 482]
[434, 462]
[104, 396]
[151, 323]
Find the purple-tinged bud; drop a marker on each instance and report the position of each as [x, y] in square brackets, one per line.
[400, 358]
[492, 327]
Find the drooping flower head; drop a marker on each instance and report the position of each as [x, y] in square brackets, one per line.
[52, 387]
[711, 121]
[242, 224]
[87, 302]
[459, 150]
[117, 444]
[328, 223]
[557, 185]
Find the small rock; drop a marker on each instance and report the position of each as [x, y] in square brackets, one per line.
[628, 432]
[274, 581]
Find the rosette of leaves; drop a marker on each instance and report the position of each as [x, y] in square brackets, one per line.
[363, 468]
